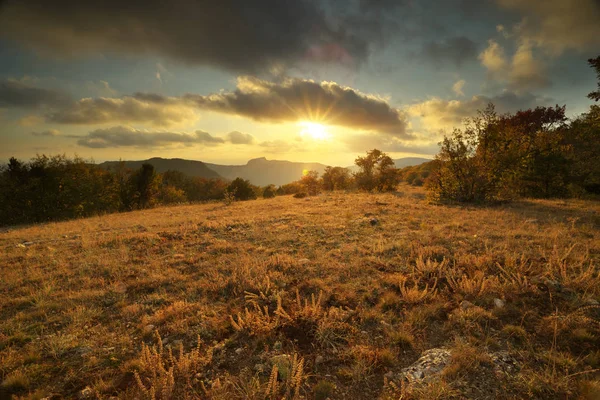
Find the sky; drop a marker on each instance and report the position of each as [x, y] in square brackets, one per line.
[299, 80]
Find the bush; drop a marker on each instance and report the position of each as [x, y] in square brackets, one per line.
[300, 195]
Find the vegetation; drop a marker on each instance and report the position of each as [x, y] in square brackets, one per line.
[304, 299]
[377, 172]
[531, 153]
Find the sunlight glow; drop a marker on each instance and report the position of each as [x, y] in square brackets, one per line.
[314, 130]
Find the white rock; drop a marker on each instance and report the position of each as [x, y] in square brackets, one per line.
[498, 303]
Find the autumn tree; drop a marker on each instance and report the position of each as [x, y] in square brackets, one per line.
[310, 182]
[241, 189]
[377, 172]
[595, 64]
[145, 186]
[336, 178]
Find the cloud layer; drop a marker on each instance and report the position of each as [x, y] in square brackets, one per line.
[232, 34]
[126, 136]
[300, 99]
[16, 94]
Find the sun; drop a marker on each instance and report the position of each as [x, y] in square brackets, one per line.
[314, 130]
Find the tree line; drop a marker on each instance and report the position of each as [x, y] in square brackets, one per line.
[531, 153]
[50, 188]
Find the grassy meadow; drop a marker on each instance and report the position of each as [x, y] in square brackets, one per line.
[324, 297]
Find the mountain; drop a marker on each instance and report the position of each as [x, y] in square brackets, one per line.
[410, 161]
[262, 172]
[400, 162]
[188, 167]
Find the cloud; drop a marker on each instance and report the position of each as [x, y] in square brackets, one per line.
[299, 99]
[289, 100]
[49, 132]
[438, 114]
[523, 72]
[236, 137]
[558, 25]
[360, 142]
[100, 88]
[526, 71]
[17, 94]
[458, 86]
[456, 50]
[125, 136]
[494, 59]
[230, 34]
[126, 109]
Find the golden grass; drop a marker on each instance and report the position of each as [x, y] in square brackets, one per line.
[301, 298]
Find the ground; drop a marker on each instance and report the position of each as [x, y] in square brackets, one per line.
[336, 295]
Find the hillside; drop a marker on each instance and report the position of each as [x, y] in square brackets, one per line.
[262, 172]
[188, 167]
[341, 296]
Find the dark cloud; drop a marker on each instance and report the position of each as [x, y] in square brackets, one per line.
[49, 132]
[299, 99]
[15, 94]
[236, 137]
[125, 136]
[234, 34]
[457, 50]
[152, 109]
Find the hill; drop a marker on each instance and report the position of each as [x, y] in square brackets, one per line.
[262, 172]
[188, 167]
[355, 296]
[400, 163]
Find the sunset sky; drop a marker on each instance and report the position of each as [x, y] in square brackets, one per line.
[226, 81]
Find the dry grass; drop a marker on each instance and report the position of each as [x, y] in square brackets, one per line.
[302, 298]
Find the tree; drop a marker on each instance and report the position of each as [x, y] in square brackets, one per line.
[595, 63]
[499, 157]
[145, 184]
[241, 189]
[377, 172]
[336, 178]
[310, 182]
[269, 192]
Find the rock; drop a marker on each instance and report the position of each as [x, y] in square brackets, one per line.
[498, 303]
[374, 221]
[165, 341]
[277, 346]
[389, 375]
[591, 302]
[465, 304]
[239, 351]
[27, 243]
[303, 261]
[428, 366]
[149, 328]
[86, 393]
[319, 360]
[21, 245]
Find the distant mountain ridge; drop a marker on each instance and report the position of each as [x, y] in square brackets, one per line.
[262, 172]
[259, 171]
